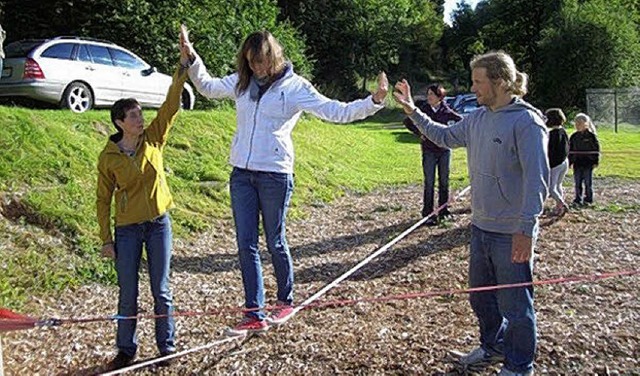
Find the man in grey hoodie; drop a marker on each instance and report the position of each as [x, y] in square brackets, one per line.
[506, 143]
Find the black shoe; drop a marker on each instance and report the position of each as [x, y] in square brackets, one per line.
[432, 221]
[166, 362]
[121, 360]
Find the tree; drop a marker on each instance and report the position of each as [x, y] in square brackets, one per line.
[150, 28]
[594, 44]
[352, 40]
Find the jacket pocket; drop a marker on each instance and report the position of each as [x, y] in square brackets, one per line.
[492, 197]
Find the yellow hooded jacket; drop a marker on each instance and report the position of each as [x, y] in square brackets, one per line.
[139, 182]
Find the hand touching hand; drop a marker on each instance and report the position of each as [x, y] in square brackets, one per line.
[108, 251]
[383, 88]
[403, 96]
[187, 53]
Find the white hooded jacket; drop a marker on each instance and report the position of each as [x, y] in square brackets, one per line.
[262, 141]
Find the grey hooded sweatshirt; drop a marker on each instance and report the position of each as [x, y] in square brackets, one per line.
[507, 161]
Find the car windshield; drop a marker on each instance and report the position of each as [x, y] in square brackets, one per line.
[21, 48]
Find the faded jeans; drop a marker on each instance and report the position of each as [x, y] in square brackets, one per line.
[506, 317]
[253, 192]
[157, 236]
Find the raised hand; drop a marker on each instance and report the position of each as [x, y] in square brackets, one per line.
[403, 96]
[383, 88]
[187, 53]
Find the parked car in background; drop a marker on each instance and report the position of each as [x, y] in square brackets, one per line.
[82, 73]
[465, 104]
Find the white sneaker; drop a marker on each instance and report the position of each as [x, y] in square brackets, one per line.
[478, 357]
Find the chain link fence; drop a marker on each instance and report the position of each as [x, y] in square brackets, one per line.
[618, 108]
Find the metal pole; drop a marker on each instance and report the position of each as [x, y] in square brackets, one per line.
[615, 110]
[1, 367]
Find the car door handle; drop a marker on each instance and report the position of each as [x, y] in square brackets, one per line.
[126, 74]
[88, 67]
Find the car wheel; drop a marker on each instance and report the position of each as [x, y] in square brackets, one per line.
[77, 97]
[186, 100]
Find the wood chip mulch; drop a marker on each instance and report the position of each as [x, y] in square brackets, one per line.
[583, 328]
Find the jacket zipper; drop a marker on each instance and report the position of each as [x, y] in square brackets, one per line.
[253, 130]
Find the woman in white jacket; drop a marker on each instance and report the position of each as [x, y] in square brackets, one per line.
[269, 98]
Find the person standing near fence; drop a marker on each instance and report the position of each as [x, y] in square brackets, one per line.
[269, 98]
[434, 156]
[558, 152]
[584, 156]
[506, 143]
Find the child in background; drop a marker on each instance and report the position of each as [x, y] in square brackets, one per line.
[584, 155]
[557, 153]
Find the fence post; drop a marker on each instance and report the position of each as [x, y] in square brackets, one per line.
[615, 110]
[1, 367]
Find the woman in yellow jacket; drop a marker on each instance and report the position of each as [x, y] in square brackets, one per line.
[130, 166]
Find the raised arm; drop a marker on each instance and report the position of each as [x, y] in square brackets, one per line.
[210, 87]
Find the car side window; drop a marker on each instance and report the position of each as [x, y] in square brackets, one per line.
[83, 54]
[59, 51]
[100, 55]
[125, 60]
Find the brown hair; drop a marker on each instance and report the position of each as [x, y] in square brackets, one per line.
[120, 108]
[259, 46]
[500, 65]
[438, 90]
[555, 117]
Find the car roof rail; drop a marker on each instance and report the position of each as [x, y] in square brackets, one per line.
[88, 39]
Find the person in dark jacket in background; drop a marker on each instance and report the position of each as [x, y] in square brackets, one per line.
[584, 155]
[558, 152]
[433, 155]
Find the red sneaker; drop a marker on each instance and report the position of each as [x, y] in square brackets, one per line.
[249, 324]
[281, 314]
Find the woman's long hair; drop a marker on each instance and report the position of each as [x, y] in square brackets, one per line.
[259, 46]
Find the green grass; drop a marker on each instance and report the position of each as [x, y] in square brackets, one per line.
[48, 173]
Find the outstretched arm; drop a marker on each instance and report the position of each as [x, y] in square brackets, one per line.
[310, 100]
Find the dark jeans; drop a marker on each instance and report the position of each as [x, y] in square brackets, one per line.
[157, 236]
[253, 192]
[431, 160]
[583, 175]
[506, 317]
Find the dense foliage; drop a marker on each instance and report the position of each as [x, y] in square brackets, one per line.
[566, 46]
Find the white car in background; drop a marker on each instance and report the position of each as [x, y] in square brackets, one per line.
[82, 73]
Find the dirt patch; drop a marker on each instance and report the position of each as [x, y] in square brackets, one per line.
[584, 328]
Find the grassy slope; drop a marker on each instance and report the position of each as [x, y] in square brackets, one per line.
[47, 180]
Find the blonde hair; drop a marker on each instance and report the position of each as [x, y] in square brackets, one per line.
[500, 65]
[259, 46]
[587, 121]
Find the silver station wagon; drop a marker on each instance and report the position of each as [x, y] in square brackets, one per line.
[82, 73]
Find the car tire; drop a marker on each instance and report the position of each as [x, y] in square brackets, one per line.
[185, 100]
[77, 97]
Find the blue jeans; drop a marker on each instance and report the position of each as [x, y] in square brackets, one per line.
[506, 317]
[583, 174]
[157, 236]
[431, 160]
[253, 192]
